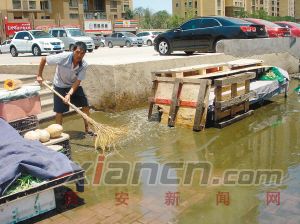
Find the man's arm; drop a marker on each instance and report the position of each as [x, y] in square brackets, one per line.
[72, 90]
[39, 77]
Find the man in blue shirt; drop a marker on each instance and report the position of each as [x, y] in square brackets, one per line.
[70, 71]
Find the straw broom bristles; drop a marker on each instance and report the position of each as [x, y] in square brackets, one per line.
[106, 135]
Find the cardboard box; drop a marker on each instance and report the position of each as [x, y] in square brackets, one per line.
[27, 207]
[18, 109]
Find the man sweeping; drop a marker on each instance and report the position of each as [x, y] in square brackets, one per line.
[70, 71]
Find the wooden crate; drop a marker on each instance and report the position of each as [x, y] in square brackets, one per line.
[232, 96]
[183, 101]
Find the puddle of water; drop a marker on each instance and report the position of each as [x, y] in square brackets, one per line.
[267, 140]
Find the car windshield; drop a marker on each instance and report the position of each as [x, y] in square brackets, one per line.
[294, 24]
[41, 34]
[76, 33]
[129, 35]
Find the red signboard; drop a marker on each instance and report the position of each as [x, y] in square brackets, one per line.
[11, 28]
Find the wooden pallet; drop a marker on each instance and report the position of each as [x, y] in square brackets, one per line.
[232, 96]
[192, 70]
[183, 101]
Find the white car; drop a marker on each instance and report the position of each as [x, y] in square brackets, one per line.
[35, 42]
[4, 48]
[148, 37]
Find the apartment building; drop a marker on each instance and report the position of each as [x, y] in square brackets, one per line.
[103, 9]
[232, 7]
[188, 8]
[297, 10]
[43, 13]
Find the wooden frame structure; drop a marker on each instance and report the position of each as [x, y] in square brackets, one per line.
[180, 98]
[232, 96]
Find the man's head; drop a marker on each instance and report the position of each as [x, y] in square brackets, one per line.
[79, 51]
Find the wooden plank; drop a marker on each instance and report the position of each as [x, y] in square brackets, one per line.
[192, 68]
[164, 79]
[230, 72]
[233, 120]
[154, 88]
[236, 100]
[174, 105]
[181, 103]
[234, 79]
[233, 95]
[244, 62]
[202, 106]
[227, 88]
[226, 113]
[247, 90]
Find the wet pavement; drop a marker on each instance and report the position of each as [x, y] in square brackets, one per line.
[166, 191]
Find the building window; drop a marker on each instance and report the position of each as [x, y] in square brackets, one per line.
[177, 5]
[73, 3]
[115, 16]
[196, 4]
[85, 5]
[16, 4]
[126, 7]
[190, 4]
[44, 5]
[32, 4]
[113, 4]
[45, 17]
[74, 16]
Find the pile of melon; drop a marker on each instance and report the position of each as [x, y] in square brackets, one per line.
[44, 135]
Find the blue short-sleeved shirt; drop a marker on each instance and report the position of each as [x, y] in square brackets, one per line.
[66, 74]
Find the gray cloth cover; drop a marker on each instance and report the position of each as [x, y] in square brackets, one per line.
[18, 155]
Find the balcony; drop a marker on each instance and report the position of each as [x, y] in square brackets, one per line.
[95, 15]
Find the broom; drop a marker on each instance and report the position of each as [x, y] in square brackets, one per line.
[106, 135]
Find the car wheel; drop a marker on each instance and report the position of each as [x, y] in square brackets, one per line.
[189, 52]
[121, 46]
[90, 50]
[102, 45]
[96, 47]
[164, 47]
[71, 47]
[110, 45]
[140, 45]
[149, 42]
[36, 51]
[14, 52]
[128, 44]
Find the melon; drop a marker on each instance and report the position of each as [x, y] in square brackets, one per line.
[55, 130]
[32, 135]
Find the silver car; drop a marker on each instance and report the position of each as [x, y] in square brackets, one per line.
[72, 35]
[123, 39]
[5, 47]
[99, 40]
[148, 36]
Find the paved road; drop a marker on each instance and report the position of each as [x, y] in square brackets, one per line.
[105, 56]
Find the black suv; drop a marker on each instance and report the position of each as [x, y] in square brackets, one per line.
[202, 34]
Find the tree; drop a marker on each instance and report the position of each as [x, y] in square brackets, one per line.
[129, 14]
[160, 19]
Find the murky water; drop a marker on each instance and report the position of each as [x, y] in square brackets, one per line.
[267, 140]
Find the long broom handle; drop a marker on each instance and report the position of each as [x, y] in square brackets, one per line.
[70, 104]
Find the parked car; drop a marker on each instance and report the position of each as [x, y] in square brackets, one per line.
[148, 37]
[123, 39]
[294, 27]
[35, 42]
[5, 47]
[273, 29]
[203, 33]
[72, 35]
[99, 40]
